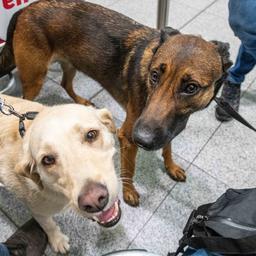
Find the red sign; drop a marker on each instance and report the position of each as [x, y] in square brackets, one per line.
[9, 4]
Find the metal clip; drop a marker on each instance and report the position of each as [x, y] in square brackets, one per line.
[4, 108]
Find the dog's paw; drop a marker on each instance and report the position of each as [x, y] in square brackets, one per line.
[131, 196]
[176, 173]
[59, 242]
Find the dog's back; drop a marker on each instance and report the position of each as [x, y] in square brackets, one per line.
[76, 31]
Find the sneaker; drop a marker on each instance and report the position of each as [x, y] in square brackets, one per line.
[231, 94]
[28, 240]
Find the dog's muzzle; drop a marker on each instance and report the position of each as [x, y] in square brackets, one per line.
[151, 136]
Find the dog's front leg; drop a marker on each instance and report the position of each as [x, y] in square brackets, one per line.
[58, 241]
[128, 156]
[175, 171]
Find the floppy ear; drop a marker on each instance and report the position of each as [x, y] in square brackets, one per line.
[223, 50]
[107, 119]
[168, 31]
[27, 167]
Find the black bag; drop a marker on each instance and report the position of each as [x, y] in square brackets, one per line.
[227, 226]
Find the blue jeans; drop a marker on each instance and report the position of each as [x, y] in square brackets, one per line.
[201, 252]
[243, 23]
[3, 250]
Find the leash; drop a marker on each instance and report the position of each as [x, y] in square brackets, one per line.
[232, 112]
[226, 106]
[8, 110]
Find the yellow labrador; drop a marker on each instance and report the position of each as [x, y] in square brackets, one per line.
[65, 159]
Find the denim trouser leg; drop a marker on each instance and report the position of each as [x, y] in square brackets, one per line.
[245, 62]
[3, 250]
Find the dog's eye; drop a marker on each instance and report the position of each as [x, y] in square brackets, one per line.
[190, 89]
[48, 160]
[91, 135]
[154, 77]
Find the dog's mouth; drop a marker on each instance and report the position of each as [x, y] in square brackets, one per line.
[109, 217]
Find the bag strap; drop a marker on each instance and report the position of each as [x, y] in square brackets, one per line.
[222, 245]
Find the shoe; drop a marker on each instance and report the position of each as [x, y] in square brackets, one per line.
[28, 240]
[231, 94]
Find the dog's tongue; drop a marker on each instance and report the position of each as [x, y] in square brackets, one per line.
[108, 215]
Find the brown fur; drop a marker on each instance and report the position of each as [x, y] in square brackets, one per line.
[121, 55]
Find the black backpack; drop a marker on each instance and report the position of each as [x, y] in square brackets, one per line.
[227, 226]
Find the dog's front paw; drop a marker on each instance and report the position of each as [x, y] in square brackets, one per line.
[176, 173]
[59, 242]
[131, 196]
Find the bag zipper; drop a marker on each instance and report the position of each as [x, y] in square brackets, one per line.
[227, 221]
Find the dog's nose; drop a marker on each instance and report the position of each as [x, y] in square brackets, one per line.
[143, 138]
[147, 137]
[93, 198]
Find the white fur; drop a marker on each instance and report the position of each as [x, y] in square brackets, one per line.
[58, 130]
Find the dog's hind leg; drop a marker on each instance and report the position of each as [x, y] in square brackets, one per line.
[58, 241]
[32, 64]
[175, 171]
[128, 156]
[69, 73]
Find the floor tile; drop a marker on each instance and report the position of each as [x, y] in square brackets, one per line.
[7, 227]
[13, 207]
[106, 3]
[84, 86]
[180, 14]
[144, 11]
[230, 154]
[162, 232]
[52, 94]
[197, 4]
[219, 8]
[200, 188]
[105, 100]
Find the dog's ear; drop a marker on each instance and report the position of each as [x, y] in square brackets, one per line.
[107, 119]
[168, 31]
[26, 167]
[223, 50]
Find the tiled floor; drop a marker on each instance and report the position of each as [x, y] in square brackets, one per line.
[215, 156]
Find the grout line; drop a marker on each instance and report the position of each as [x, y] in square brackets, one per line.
[151, 216]
[160, 204]
[205, 144]
[218, 127]
[200, 12]
[8, 218]
[96, 94]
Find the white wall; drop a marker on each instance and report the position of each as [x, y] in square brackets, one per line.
[7, 9]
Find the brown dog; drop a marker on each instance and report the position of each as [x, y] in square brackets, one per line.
[159, 77]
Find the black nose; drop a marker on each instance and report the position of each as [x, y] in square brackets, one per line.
[148, 138]
[143, 138]
[93, 198]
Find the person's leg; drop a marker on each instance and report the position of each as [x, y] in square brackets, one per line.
[3, 250]
[245, 62]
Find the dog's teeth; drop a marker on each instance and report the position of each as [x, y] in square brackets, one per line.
[95, 218]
